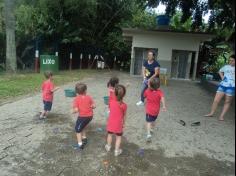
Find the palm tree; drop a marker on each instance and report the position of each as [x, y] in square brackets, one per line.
[11, 64]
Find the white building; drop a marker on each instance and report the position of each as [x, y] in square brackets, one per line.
[177, 51]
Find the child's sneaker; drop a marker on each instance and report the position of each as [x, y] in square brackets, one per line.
[149, 138]
[42, 116]
[140, 103]
[107, 148]
[118, 152]
[151, 131]
[79, 147]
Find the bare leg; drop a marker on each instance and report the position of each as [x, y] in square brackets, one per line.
[149, 128]
[217, 99]
[228, 100]
[83, 133]
[109, 139]
[43, 114]
[46, 113]
[153, 124]
[118, 142]
[79, 138]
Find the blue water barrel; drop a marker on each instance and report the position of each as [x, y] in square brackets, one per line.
[162, 20]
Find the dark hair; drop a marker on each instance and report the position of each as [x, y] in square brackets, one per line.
[113, 82]
[120, 92]
[48, 74]
[153, 52]
[80, 88]
[232, 56]
[154, 83]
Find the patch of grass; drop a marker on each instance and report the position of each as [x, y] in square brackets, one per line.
[27, 83]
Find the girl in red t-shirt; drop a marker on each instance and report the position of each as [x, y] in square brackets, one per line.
[116, 119]
[154, 97]
[111, 88]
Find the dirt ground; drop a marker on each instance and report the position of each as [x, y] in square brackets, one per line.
[30, 146]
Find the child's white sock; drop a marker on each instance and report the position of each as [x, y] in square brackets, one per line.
[80, 143]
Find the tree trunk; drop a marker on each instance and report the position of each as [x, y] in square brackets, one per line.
[11, 62]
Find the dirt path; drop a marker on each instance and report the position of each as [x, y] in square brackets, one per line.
[33, 147]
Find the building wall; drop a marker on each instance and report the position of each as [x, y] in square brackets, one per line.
[166, 43]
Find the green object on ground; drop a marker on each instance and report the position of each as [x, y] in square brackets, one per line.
[106, 99]
[70, 93]
[49, 63]
[203, 78]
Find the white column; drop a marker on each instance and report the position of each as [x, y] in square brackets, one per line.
[195, 65]
[132, 61]
[36, 53]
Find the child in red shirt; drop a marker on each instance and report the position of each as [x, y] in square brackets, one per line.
[116, 119]
[154, 97]
[83, 105]
[48, 89]
[111, 88]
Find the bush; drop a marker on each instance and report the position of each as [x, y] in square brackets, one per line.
[219, 63]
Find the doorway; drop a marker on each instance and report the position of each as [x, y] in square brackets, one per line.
[181, 64]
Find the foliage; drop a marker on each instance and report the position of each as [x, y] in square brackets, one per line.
[145, 19]
[176, 23]
[30, 21]
[220, 58]
[99, 22]
[115, 43]
[222, 11]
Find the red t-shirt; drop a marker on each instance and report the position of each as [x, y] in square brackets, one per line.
[153, 101]
[84, 104]
[47, 88]
[116, 117]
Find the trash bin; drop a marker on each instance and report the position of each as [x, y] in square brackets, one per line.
[49, 63]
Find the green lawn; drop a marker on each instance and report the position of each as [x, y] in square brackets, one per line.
[27, 83]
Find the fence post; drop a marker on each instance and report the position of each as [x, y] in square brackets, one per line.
[81, 57]
[70, 61]
[89, 57]
[36, 64]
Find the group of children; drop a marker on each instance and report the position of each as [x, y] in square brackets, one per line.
[83, 104]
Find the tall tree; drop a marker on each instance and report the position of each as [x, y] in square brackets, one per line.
[11, 63]
[222, 11]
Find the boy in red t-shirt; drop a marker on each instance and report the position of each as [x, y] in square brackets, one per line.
[116, 119]
[83, 105]
[154, 97]
[48, 89]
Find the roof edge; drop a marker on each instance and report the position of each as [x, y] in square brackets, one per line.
[166, 30]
